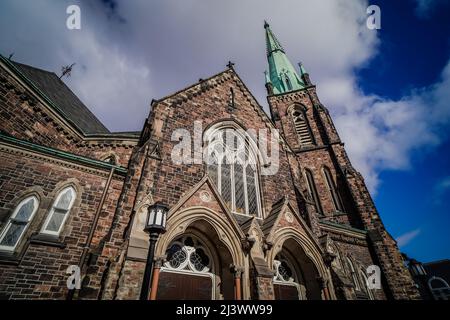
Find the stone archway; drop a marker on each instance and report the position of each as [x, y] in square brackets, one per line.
[202, 254]
[303, 274]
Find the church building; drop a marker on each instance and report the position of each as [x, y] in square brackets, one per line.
[261, 208]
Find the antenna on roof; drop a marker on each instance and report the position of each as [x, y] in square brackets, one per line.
[66, 70]
[10, 56]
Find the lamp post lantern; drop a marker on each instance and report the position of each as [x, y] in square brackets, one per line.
[154, 226]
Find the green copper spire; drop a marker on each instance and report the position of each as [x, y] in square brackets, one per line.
[283, 76]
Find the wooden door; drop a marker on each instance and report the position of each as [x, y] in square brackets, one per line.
[285, 292]
[184, 286]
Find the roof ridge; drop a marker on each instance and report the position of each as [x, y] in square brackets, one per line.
[33, 67]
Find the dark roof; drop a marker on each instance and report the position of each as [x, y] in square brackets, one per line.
[72, 108]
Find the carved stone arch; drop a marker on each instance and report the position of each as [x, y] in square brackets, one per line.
[224, 241]
[294, 106]
[315, 272]
[308, 246]
[178, 222]
[110, 157]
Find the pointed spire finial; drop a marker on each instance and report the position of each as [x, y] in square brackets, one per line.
[230, 64]
[282, 74]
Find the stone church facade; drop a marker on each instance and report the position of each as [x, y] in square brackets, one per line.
[74, 193]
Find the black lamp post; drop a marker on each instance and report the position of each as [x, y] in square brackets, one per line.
[154, 226]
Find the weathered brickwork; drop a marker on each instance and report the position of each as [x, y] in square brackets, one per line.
[25, 116]
[145, 173]
[40, 268]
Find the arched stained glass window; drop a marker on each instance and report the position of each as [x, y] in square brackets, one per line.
[235, 172]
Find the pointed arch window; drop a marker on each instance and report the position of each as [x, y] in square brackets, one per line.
[232, 166]
[18, 223]
[288, 82]
[59, 212]
[313, 191]
[302, 127]
[365, 282]
[439, 288]
[335, 196]
[353, 274]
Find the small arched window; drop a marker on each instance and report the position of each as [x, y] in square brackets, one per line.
[335, 196]
[59, 212]
[439, 288]
[353, 274]
[302, 127]
[313, 191]
[111, 159]
[18, 223]
[288, 83]
[232, 166]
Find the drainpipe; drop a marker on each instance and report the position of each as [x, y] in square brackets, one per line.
[87, 247]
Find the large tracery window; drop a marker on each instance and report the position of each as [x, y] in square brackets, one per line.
[232, 166]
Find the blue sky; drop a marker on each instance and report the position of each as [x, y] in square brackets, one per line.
[414, 48]
[388, 90]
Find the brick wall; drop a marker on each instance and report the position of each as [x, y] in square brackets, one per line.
[40, 271]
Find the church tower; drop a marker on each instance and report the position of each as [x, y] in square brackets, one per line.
[336, 190]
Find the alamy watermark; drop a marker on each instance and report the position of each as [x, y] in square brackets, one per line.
[373, 274]
[74, 280]
[373, 21]
[73, 21]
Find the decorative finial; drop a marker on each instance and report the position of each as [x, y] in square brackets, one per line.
[230, 64]
[266, 25]
[10, 56]
[66, 70]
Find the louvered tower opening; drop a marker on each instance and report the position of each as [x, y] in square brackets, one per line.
[302, 128]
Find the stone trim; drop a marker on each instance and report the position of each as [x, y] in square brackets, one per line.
[25, 148]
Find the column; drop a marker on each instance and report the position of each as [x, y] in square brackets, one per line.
[158, 262]
[237, 273]
[323, 283]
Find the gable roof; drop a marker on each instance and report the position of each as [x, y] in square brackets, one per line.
[69, 105]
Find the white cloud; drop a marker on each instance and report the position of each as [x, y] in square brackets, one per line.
[407, 237]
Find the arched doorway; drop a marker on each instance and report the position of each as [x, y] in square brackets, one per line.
[296, 276]
[197, 266]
